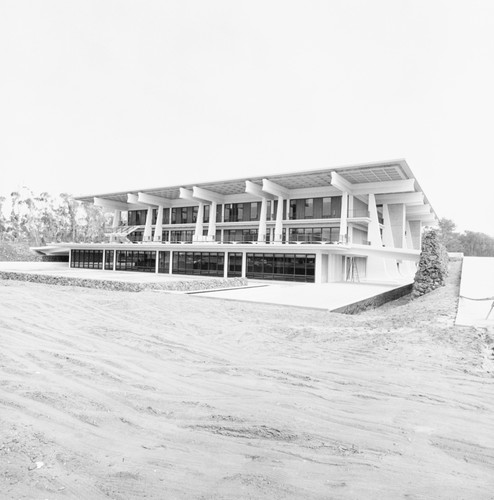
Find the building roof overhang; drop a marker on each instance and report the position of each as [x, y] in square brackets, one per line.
[355, 175]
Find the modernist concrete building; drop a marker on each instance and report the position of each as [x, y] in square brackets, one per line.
[357, 223]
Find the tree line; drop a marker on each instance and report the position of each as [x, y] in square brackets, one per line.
[470, 243]
[41, 219]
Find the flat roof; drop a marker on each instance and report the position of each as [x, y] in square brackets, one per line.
[391, 170]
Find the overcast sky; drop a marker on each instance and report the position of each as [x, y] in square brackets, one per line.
[100, 96]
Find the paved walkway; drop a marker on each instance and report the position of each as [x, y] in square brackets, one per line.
[327, 296]
[477, 282]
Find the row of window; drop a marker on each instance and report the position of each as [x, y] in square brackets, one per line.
[313, 234]
[304, 208]
[307, 234]
[315, 208]
[279, 266]
[286, 267]
[200, 263]
[133, 260]
[179, 215]
[88, 259]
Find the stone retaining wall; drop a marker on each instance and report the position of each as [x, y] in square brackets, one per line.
[178, 286]
[376, 301]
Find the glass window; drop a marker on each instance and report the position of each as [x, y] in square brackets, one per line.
[326, 208]
[293, 209]
[309, 208]
[255, 209]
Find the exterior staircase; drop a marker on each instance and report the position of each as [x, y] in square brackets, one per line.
[119, 234]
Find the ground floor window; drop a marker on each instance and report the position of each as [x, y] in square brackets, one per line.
[132, 260]
[109, 260]
[202, 263]
[89, 259]
[281, 266]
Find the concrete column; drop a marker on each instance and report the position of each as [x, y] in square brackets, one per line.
[387, 231]
[212, 221]
[199, 223]
[158, 230]
[157, 262]
[278, 228]
[397, 221]
[261, 234]
[376, 266]
[318, 270]
[351, 209]
[114, 259]
[170, 266]
[117, 217]
[373, 232]
[343, 220]
[416, 233]
[225, 268]
[244, 264]
[148, 228]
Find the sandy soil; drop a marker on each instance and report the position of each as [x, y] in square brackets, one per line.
[152, 395]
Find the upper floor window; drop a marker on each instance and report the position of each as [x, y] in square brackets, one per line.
[315, 208]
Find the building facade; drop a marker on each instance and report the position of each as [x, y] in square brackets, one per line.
[355, 223]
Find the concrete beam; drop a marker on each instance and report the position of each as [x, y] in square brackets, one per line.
[426, 218]
[132, 198]
[275, 189]
[206, 195]
[396, 198]
[149, 199]
[187, 194]
[419, 210]
[341, 183]
[378, 188]
[256, 190]
[113, 205]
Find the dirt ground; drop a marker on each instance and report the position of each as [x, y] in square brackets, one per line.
[153, 395]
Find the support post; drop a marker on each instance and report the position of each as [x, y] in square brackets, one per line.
[199, 222]
[148, 228]
[212, 221]
[343, 217]
[117, 217]
[158, 229]
[261, 234]
[278, 229]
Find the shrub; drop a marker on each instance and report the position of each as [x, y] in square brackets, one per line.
[433, 265]
[16, 252]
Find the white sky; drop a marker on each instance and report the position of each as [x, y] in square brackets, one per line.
[100, 96]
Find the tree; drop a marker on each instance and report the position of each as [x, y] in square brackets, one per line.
[449, 238]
